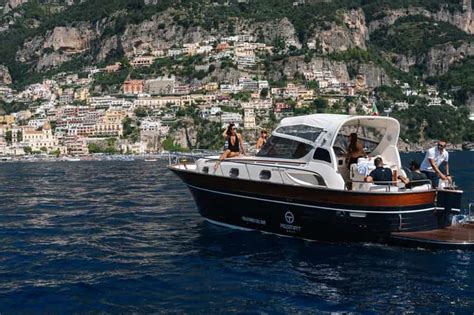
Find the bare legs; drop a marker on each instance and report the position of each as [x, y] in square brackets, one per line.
[226, 154]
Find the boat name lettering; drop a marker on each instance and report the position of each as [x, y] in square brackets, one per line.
[253, 220]
[290, 228]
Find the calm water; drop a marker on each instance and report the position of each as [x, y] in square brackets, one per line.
[126, 237]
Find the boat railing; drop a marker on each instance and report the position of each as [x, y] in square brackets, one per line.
[394, 182]
[392, 185]
[470, 213]
[185, 157]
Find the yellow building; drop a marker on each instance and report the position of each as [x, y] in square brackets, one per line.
[110, 125]
[211, 86]
[81, 94]
[41, 140]
[7, 120]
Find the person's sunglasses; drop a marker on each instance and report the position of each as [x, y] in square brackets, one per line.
[441, 146]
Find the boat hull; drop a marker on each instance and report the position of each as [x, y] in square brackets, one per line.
[312, 213]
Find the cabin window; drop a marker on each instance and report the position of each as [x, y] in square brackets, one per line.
[205, 170]
[234, 172]
[282, 148]
[301, 131]
[322, 155]
[368, 136]
[265, 174]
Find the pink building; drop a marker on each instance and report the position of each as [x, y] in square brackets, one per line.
[133, 87]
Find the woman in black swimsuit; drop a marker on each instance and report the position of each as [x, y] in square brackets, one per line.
[234, 144]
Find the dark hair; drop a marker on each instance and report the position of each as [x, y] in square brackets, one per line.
[229, 129]
[415, 165]
[353, 142]
[378, 161]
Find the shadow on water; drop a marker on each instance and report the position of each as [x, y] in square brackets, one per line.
[126, 237]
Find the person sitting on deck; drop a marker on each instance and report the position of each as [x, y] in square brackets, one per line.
[233, 143]
[414, 177]
[381, 175]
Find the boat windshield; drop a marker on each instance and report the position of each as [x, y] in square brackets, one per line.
[310, 133]
[283, 148]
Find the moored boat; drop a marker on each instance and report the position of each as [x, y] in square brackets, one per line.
[300, 184]
[72, 159]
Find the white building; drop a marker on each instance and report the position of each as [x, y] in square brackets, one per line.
[249, 118]
[106, 102]
[227, 118]
[36, 123]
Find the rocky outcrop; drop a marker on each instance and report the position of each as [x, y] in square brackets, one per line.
[185, 137]
[281, 28]
[70, 39]
[149, 35]
[12, 4]
[337, 68]
[440, 58]
[230, 75]
[369, 75]
[57, 46]
[297, 64]
[5, 78]
[352, 33]
[461, 19]
[403, 62]
[373, 75]
[437, 60]
[109, 46]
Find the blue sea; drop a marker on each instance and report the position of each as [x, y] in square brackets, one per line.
[126, 237]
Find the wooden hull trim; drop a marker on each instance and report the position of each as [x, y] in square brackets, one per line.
[322, 196]
[313, 206]
[313, 213]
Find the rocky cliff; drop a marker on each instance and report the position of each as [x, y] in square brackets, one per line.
[352, 32]
[348, 29]
[5, 78]
[12, 4]
[57, 46]
[440, 58]
[462, 18]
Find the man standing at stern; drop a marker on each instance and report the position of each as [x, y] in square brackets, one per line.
[433, 159]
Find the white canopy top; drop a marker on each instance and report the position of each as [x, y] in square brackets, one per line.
[331, 123]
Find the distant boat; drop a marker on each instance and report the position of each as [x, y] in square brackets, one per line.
[72, 159]
[151, 159]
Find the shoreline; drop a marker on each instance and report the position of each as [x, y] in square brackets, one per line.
[145, 158]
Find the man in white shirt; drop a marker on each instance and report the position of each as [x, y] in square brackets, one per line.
[433, 159]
